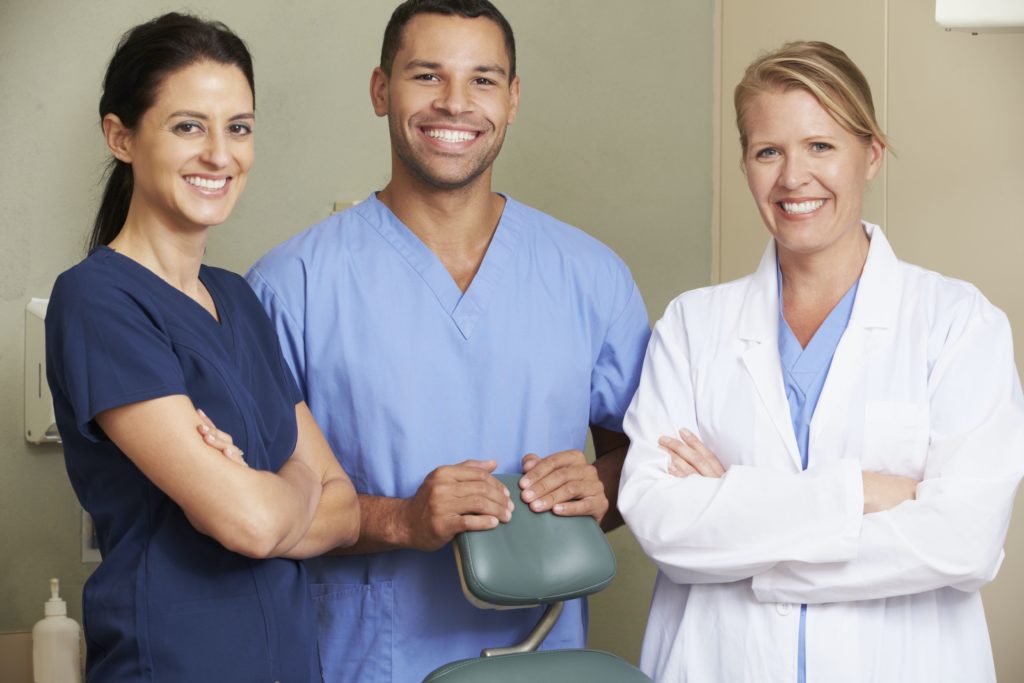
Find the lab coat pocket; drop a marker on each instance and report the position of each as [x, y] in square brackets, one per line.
[355, 630]
[895, 437]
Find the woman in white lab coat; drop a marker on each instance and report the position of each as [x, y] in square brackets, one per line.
[825, 452]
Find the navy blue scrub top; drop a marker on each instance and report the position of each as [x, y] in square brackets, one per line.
[169, 603]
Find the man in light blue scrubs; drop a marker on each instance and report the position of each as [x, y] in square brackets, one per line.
[440, 333]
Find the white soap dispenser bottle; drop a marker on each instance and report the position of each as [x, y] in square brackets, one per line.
[56, 649]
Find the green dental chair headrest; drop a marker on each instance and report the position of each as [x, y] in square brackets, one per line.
[536, 558]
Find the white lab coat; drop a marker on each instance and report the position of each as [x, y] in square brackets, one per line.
[922, 384]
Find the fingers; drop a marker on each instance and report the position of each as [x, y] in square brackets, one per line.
[212, 428]
[481, 498]
[229, 451]
[466, 490]
[205, 418]
[530, 460]
[885, 491]
[472, 523]
[466, 472]
[456, 498]
[688, 453]
[595, 506]
[483, 465]
[542, 467]
[709, 461]
[678, 467]
[207, 427]
[218, 439]
[568, 483]
[563, 483]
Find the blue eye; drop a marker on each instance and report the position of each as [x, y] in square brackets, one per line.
[766, 153]
[820, 146]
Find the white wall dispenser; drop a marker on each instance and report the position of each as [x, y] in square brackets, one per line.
[40, 424]
[980, 16]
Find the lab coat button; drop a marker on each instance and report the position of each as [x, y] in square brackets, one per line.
[783, 608]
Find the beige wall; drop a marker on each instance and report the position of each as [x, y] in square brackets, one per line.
[614, 135]
[953, 200]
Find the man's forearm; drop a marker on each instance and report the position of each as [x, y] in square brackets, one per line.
[609, 469]
[382, 526]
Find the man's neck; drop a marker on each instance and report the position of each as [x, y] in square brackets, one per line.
[457, 225]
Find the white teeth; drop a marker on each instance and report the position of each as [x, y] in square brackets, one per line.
[802, 207]
[446, 135]
[205, 183]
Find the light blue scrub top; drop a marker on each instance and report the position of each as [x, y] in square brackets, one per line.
[803, 372]
[405, 373]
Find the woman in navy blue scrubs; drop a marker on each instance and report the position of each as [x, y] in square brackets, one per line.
[201, 534]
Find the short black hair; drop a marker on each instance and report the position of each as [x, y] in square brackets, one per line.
[471, 9]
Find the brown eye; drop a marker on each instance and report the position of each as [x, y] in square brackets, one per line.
[187, 128]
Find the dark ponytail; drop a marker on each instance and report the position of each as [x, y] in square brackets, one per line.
[117, 195]
[146, 55]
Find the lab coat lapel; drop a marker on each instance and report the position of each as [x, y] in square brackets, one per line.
[759, 330]
[874, 312]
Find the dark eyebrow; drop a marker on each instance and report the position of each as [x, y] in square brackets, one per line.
[434, 66]
[492, 69]
[420, 64]
[203, 117]
[182, 113]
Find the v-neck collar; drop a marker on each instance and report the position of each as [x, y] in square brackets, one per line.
[464, 308]
[204, 276]
[805, 364]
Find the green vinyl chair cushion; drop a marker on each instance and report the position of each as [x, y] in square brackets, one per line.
[535, 558]
[592, 666]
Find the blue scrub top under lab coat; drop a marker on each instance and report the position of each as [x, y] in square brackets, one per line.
[804, 371]
[405, 372]
[168, 603]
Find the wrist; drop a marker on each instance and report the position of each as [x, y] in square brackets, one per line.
[401, 527]
[385, 522]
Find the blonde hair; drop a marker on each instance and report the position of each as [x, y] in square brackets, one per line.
[822, 70]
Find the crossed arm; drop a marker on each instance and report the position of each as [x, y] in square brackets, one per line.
[303, 509]
[834, 533]
[687, 455]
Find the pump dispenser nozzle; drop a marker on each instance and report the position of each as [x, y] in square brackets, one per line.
[55, 606]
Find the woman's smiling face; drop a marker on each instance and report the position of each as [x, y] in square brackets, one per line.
[192, 150]
[806, 172]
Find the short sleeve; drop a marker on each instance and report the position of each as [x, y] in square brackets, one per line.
[616, 372]
[288, 378]
[290, 333]
[104, 349]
